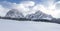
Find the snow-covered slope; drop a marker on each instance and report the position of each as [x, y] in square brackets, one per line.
[12, 25]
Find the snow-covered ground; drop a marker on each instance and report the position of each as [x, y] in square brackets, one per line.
[11, 25]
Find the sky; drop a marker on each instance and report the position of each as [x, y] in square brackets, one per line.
[50, 7]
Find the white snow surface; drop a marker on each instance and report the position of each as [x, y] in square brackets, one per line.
[13, 25]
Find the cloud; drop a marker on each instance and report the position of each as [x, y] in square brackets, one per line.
[57, 9]
[7, 4]
[5, 7]
[25, 7]
[52, 9]
[29, 7]
[58, 5]
[3, 10]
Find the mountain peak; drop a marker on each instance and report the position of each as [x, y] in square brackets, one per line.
[14, 13]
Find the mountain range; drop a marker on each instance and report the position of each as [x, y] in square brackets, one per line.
[14, 13]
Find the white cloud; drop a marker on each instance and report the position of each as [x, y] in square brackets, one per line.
[29, 7]
[3, 10]
[8, 4]
[57, 5]
[5, 7]
[57, 10]
[52, 9]
[25, 7]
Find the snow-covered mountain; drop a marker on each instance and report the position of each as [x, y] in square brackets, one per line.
[37, 15]
[14, 13]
